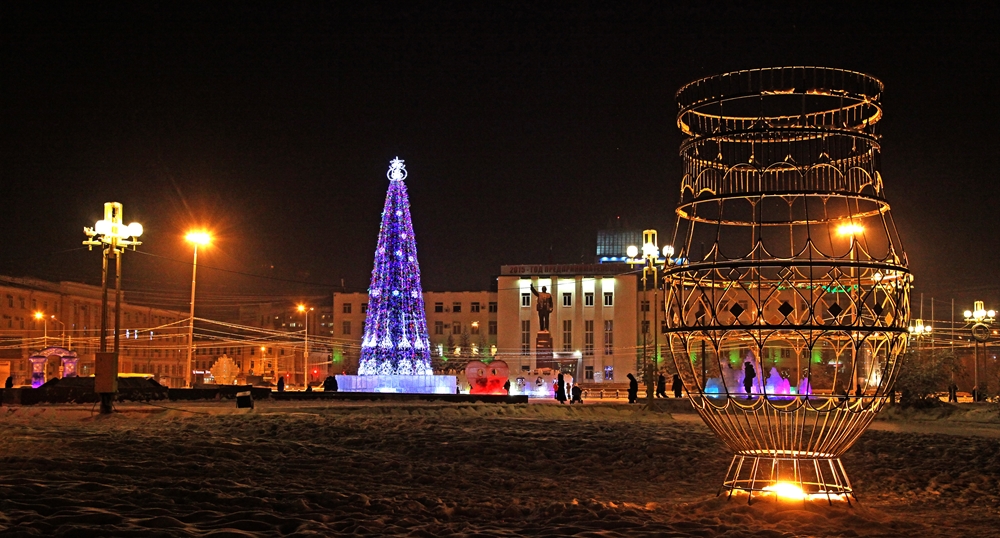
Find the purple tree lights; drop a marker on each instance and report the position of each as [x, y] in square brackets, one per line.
[395, 339]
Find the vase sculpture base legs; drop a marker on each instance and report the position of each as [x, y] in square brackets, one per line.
[788, 477]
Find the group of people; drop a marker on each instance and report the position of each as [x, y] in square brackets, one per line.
[677, 386]
[576, 393]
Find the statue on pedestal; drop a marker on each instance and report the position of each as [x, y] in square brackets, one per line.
[543, 304]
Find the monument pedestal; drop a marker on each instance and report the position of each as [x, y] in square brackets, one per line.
[543, 350]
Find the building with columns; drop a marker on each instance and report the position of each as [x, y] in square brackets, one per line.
[593, 324]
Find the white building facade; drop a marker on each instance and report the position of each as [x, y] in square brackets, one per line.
[593, 325]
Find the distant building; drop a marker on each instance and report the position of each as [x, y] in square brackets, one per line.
[593, 325]
[613, 243]
[461, 325]
[152, 340]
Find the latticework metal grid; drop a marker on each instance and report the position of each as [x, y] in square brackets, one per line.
[788, 304]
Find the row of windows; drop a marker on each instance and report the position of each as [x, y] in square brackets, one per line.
[456, 327]
[456, 307]
[567, 299]
[567, 326]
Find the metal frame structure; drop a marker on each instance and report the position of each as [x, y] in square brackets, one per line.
[787, 301]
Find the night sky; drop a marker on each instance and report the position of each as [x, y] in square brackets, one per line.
[525, 129]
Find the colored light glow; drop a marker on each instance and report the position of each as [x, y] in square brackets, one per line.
[395, 341]
[786, 490]
[850, 229]
[198, 238]
[39, 315]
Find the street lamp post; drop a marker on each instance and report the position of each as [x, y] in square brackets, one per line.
[62, 335]
[305, 354]
[196, 238]
[113, 236]
[650, 260]
[45, 325]
[980, 319]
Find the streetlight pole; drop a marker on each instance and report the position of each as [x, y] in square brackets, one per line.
[305, 354]
[62, 335]
[650, 259]
[113, 236]
[981, 319]
[45, 325]
[197, 238]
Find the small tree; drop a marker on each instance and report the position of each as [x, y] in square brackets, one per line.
[925, 372]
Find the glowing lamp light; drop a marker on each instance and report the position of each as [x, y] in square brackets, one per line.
[632, 251]
[198, 238]
[134, 230]
[968, 313]
[39, 315]
[786, 490]
[650, 250]
[850, 229]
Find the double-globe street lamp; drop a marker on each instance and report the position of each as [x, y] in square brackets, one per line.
[651, 261]
[980, 318]
[196, 238]
[113, 236]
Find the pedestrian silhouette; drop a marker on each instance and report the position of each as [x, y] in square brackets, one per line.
[677, 386]
[561, 388]
[506, 387]
[9, 383]
[281, 384]
[633, 389]
[661, 386]
[309, 388]
[748, 376]
[577, 393]
[330, 384]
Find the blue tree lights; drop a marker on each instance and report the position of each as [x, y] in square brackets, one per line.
[395, 340]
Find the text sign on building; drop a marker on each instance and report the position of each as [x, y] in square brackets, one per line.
[560, 269]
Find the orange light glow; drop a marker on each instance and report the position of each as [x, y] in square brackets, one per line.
[39, 315]
[850, 229]
[786, 490]
[199, 238]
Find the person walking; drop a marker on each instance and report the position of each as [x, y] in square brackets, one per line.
[281, 384]
[9, 383]
[577, 393]
[661, 386]
[506, 387]
[561, 388]
[677, 386]
[633, 389]
[748, 376]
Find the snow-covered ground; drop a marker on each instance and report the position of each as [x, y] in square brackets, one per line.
[288, 469]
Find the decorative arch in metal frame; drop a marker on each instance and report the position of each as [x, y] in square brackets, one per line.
[788, 300]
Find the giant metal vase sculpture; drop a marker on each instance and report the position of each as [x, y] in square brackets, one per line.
[788, 299]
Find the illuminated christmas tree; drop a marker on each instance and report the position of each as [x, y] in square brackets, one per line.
[395, 340]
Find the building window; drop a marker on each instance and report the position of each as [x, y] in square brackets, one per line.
[588, 372]
[474, 307]
[645, 326]
[438, 327]
[609, 373]
[525, 337]
[567, 335]
[21, 300]
[456, 327]
[493, 306]
[439, 307]
[493, 327]
[609, 337]
[644, 306]
[567, 299]
[347, 327]
[475, 328]
[588, 337]
[609, 298]
[588, 298]
[525, 299]
[347, 308]
[10, 301]
[364, 308]
[456, 307]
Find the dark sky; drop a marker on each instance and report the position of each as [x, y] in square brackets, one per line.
[525, 129]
